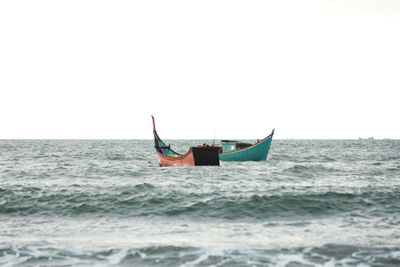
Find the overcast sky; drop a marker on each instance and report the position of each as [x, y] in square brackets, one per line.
[204, 69]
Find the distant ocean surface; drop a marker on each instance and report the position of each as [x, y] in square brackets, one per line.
[107, 202]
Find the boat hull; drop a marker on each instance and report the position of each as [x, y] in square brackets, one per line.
[196, 156]
[256, 152]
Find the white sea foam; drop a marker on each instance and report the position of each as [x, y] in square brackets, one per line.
[283, 260]
[117, 257]
[12, 259]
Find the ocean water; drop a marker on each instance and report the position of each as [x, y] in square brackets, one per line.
[107, 203]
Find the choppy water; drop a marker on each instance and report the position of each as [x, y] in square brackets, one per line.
[313, 202]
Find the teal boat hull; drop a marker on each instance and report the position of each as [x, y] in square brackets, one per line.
[256, 152]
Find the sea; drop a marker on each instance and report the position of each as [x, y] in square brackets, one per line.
[108, 203]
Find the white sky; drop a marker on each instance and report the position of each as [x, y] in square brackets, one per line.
[205, 69]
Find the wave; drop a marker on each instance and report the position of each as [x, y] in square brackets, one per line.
[148, 200]
[301, 170]
[291, 205]
[327, 255]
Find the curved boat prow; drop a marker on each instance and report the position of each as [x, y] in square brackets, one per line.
[154, 124]
[196, 156]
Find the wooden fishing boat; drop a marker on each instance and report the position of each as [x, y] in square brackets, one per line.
[202, 155]
[238, 151]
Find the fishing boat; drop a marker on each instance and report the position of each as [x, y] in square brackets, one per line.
[239, 151]
[202, 155]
